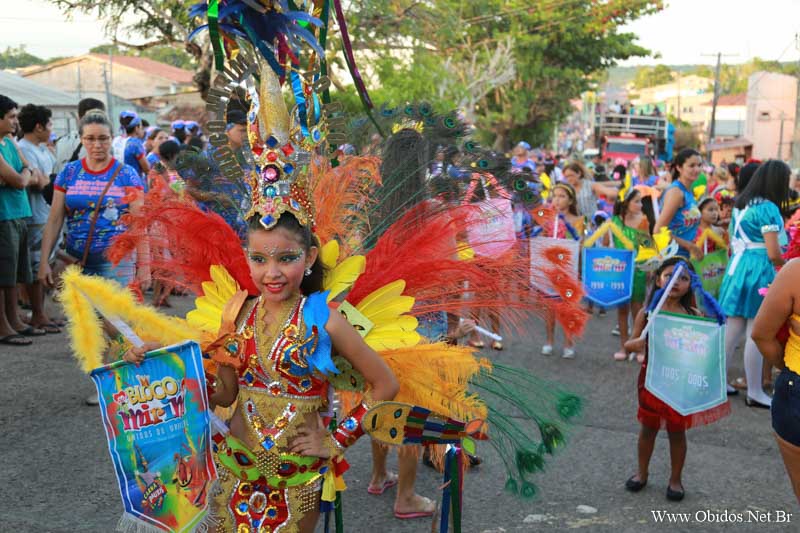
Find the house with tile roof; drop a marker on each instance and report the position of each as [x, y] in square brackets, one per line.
[127, 77]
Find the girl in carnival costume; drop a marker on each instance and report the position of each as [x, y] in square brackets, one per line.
[564, 202]
[629, 218]
[270, 337]
[653, 413]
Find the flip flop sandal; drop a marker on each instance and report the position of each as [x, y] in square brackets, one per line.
[15, 340]
[417, 514]
[388, 483]
[31, 331]
[50, 328]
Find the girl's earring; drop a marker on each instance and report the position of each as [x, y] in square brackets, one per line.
[308, 271]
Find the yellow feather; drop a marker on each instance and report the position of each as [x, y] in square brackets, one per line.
[662, 238]
[207, 314]
[224, 281]
[390, 337]
[344, 275]
[436, 376]
[82, 294]
[329, 254]
[377, 299]
[388, 309]
[83, 325]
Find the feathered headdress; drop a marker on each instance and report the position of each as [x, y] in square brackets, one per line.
[281, 143]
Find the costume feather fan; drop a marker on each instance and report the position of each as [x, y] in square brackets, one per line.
[195, 239]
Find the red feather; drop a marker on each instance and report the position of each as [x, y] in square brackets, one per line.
[184, 240]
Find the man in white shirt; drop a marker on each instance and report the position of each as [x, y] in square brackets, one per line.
[69, 147]
[36, 126]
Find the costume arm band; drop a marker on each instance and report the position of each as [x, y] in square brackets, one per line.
[349, 430]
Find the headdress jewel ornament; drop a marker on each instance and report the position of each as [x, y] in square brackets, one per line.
[281, 143]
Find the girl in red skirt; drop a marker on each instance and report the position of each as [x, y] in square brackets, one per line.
[653, 413]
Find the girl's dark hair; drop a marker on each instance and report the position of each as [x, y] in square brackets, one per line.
[313, 282]
[573, 207]
[168, 150]
[771, 181]
[180, 135]
[745, 174]
[680, 159]
[704, 200]
[154, 133]
[621, 206]
[125, 123]
[687, 300]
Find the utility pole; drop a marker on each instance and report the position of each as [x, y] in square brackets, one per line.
[780, 137]
[796, 136]
[108, 92]
[712, 130]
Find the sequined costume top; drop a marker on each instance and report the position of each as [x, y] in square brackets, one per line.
[282, 378]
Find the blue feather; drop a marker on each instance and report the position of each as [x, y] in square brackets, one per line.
[316, 313]
[198, 10]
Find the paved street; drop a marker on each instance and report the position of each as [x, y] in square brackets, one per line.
[57, 475]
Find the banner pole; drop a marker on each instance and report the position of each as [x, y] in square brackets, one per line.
[667, 290]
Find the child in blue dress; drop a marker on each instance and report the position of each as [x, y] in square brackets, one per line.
[756, 236]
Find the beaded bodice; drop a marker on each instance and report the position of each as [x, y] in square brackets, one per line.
[278, 383]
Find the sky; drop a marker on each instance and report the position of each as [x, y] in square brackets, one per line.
[681, 33]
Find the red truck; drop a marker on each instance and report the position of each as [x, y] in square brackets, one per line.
[627, 137]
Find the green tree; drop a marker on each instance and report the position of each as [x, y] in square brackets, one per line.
[557, 47]
[652, 76]
[17, 57]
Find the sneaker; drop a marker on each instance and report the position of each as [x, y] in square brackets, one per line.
[547, 349]
[568, 353]
[620, 356]
[92, 400]
[615, 331]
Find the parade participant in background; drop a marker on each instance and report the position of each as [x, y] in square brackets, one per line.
[781, 307]
[725, 199]
[15, 268]
[679, 211]
[69, 147]
[91, 194]
[709, 220]
[36, 128]
[629, 217]
[148, 142]
[129, 147]
[716, 179]
[645, 172]
[193, 129]
[179, 131]
[653, 413]
[565, 203]
[520, 158]
[756, 235]
[154, 138]
[213, 190]
[586, 190]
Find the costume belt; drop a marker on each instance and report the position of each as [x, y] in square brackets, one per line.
[739, 247]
